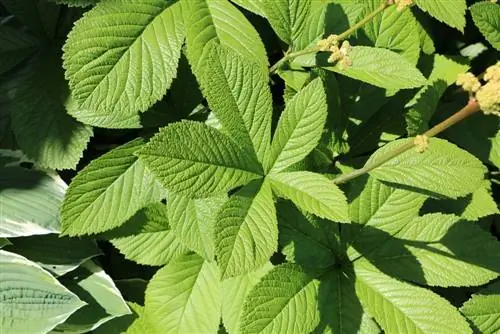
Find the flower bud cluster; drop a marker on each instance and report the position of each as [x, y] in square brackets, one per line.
[338, 54]
[401, 4]
[421, 143]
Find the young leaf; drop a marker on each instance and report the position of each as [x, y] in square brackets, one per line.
[313, 193]
[32, 300]
[451, 12]
[193, 221]
[104, 301]
[483, 310]
[486, 16]
[299, 128]
[121, 57]
[108, 191]
[185, 297]
[219, 22]
[381, 68]
[287, 17]
[246, 230]
[403, 308]
[237, 91]
[434, 244]
[236, 290]
[442, 169]
[30, 202]
[284, 301]
[147, 238]
[194, 159]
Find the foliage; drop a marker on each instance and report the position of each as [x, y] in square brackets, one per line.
[157, 175]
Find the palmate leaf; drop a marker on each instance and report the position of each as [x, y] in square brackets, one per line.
[451, 12]
[31, 300]
[284, 301]
[246, 230]
[121, 57]
[403, 308]
[147, 238]
[107, 192]
[185, 297]
[299, 127]
[237, 91]
[483, 309]
[313, 193]
[447, 252]
[30, 202]
[287, 17]
[235, 290]
[194, 159]
[486, 16]
[193, 220]
[443, 169]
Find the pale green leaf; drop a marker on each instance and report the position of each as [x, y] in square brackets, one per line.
[30, 202]
[380, 67]
[193, 220]
[121, 57]
[284, 301]
[483, 310]
[403, 308]
[486, 16]
[236, 290]
[147, 238]
[108, 191]
[440, 250]
[442, 169]
[246, 230]
[192, 158]
[185, 296]
[104, 300]
[53, 253]
[299, 127]
[313, 193]
[237, 91]
[133, 323]
[451, 12]
[250, 5]
[287, 17]
[31, 300]
[219, 22]
[15, 47]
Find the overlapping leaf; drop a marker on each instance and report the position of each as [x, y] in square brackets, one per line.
[451, 12]
[483, 309]
[121, 57]
[486, 16]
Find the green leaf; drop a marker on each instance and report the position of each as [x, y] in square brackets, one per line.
[440, 250]
[442, 169]
[287, 17]
[403, 308]
[15, 47]
[299, 127]
[250, 5]
[486, 16]
[121, 57]
[30, 202]
[134, 323]
[147, 238]
[313, 193]
[219, 22]
[284, 301]
[236, 290]
[237, 91]
[246, 230]
[483, 310]
[451, 12]
[380, 67]
[53, 253]
[4, 242]
[96, 288]
[76, 3]
[185, 297]
[193, 221]
[32, 301]
[108, 191]
[192, 158]
[43, 129]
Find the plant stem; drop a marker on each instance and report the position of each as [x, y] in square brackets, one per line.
[471, 108]
[342, 36]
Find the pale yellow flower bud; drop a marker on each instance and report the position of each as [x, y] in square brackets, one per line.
[468, 82]
[401, 4]
[421, 143]
[488, 97]
[327, 43]
[493, 73]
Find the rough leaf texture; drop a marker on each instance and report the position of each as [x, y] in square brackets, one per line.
[486, 16]
[451, 12]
